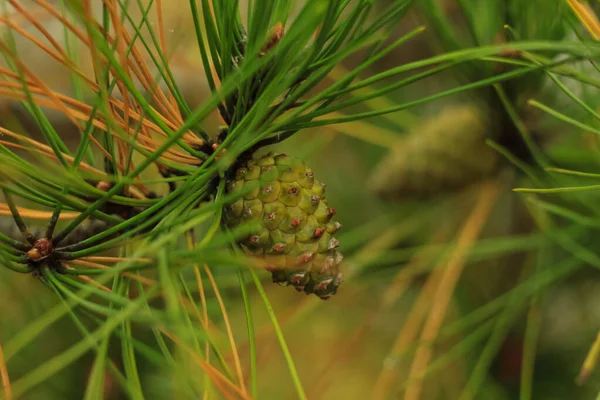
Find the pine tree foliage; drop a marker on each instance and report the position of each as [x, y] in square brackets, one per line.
[130, 226]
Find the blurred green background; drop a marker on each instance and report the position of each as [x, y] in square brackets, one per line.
[404, 251]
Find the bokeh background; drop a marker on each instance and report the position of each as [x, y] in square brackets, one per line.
[361, 344]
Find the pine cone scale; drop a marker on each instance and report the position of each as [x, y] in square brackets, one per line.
[295, 233]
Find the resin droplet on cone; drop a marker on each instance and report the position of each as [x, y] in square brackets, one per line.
[293, 224]
[445, 153]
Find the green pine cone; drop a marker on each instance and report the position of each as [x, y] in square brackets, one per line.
[293, 230]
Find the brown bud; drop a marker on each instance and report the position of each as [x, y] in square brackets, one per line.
[34, 254]
[274, 36]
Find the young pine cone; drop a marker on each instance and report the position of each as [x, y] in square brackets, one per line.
[445, 153]
[294, 228]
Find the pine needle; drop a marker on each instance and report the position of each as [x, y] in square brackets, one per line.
[5, 378]
[591, 360]
[413, 321]
[587, 17]
[445, 289]
[236, 357]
